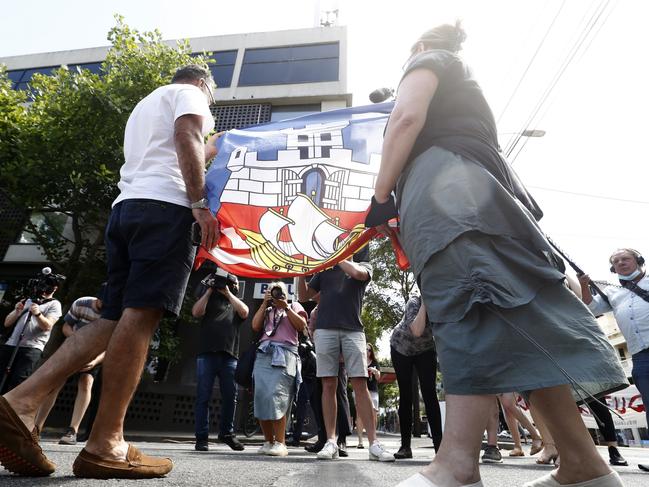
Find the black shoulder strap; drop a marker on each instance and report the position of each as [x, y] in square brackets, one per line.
[634, 288]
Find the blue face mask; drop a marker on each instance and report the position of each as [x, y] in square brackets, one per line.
[629, 277]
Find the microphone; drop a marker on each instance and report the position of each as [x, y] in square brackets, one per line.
[381, 94]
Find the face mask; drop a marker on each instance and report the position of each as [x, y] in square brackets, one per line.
[629, 277]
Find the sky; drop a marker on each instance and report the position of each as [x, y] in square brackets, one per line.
[589, 172]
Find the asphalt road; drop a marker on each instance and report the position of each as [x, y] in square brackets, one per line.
[221, 466]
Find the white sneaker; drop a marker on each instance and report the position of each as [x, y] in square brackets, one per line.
[377, 452]
[277, 450]
[265, 448]
[329, 451]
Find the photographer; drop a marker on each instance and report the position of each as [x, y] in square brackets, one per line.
[277, 366]
[32, 319]
[222, 314]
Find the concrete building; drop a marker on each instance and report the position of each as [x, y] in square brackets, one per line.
[261, 77]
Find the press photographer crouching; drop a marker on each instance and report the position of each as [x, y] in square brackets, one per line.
[222, 313]
[277, 366]
[32, 318]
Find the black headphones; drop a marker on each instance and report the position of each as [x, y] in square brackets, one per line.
[638, 258]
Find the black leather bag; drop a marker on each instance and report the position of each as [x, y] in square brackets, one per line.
[245, 366]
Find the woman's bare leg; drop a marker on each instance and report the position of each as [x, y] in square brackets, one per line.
[580, 460]
[267, 430]
[549, 452]
[456, 462]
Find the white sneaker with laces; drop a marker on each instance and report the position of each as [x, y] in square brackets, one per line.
[265, 448]
[329, 451]
[378, 452]
[277, 450]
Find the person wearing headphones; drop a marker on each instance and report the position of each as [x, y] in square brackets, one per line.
[630, 306]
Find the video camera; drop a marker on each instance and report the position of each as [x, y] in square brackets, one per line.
[221, 279]
[44, 283]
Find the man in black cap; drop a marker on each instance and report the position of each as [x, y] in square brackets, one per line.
[222, 313]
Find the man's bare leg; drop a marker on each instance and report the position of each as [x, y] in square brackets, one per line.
[329, 406]
[364, 408]
[76, 351]
[123, 364]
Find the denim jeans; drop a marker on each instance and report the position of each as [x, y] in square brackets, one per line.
[208, 367]
[640, 374]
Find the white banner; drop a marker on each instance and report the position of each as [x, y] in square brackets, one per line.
[627, 403]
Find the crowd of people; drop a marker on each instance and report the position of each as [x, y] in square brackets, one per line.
[492, 297]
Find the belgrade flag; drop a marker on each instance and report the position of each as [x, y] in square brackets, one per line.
[291, 196]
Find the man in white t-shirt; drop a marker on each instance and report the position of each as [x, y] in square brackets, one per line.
[150, 255]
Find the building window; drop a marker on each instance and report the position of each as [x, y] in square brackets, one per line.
[310, 63]
[285, 112]
[230, 117]
[223, 67]
[49, 223]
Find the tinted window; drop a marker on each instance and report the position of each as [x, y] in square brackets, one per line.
[15, 75]
[92, 67]
[293, 64]
[284, 112]
[223, 67]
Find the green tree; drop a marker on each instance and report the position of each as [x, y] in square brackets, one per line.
[387, 293]
[61, 154]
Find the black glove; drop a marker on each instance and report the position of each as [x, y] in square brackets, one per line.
[380, 212]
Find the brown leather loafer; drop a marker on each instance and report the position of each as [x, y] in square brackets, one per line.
[20, 452]
[136, 466]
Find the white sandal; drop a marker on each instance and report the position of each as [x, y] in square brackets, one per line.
[418, 480]
[610, 480]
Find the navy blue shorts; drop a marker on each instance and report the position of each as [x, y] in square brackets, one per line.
[150, 256]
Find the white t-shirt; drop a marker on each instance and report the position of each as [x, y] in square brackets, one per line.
[34, 335]
[151, 170]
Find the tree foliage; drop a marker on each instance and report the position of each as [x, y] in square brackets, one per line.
[387, 293]
[61, 153]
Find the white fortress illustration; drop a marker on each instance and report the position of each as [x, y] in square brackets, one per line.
[330, 178]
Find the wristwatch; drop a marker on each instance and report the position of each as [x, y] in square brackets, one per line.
[200, 204]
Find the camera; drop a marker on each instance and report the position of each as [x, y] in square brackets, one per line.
[221, 279]
[276, 292]
[44, 283]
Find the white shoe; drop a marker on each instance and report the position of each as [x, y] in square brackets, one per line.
[329, 451]
[377, 452]
[265, 448]
[277, 450]
[418, 480]
[610, 480]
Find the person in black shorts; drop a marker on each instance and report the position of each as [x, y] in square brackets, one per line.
[150, 254]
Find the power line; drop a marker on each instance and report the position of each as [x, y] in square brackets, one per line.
[588, 28]
[532, 59]
[588, 195]
[567, 61]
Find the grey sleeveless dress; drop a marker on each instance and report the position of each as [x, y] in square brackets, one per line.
[502, 318]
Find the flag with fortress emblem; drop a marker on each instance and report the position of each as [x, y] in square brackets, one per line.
[291, 196]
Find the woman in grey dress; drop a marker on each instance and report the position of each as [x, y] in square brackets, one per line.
[490, 282]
